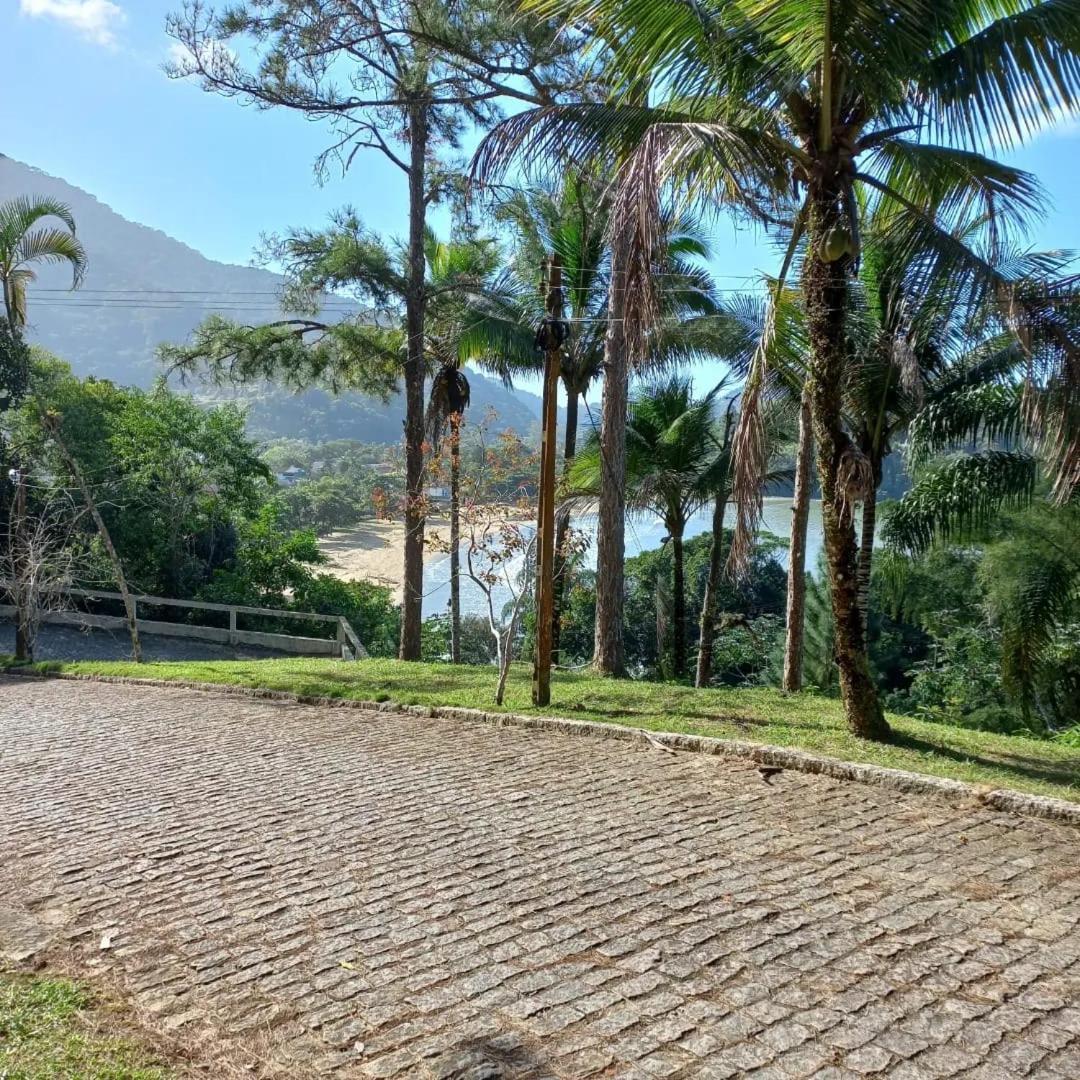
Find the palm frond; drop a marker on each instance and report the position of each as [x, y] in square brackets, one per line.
[21, 214]
[958, 184]
[448, 398]
[749, 446]
[52, 246]
[1009, 79]
[991, 412]
[955, 500]
[1032, 590]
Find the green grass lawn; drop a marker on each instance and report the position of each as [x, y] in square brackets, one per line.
[805, 721]
[53, 1028]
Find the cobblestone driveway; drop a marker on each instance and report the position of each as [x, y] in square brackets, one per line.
[382, 896]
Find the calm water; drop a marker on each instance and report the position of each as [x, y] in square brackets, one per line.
[643, 533]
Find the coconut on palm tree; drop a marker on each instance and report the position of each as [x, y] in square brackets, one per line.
[805, 115]
[27, 239]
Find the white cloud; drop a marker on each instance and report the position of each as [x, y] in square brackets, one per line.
[96, 20]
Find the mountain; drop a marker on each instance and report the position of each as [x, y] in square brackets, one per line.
[143, 288]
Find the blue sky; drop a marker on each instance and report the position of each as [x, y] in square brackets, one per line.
[85, 98]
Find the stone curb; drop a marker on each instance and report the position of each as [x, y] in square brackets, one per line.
[955, 791]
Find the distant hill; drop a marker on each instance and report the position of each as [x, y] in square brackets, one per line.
[144, 288]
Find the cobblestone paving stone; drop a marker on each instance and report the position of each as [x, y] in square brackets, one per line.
[388, 896]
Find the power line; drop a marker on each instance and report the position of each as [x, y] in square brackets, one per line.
[277, 292]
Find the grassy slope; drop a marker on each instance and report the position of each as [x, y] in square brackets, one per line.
[759, 715]
[52, 1028]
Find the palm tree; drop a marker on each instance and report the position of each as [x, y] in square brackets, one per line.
[468, 297]
[805, 114]
[779, 328]
[916, 354]
[715, 481]
[26, 242]
[572, 219]
[670, 446]
[447, 403]
[976, 480]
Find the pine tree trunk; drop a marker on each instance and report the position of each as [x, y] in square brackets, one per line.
[707, 632]
[23, 648]
[415, 302]
[455, 538]
[800, 518]
[562, 525]
[609, 656]
[825, 287]
[53, 425]
[866, 558]
[678, 606]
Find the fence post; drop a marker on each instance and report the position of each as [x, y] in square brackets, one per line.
[341, 639]
[233, 638]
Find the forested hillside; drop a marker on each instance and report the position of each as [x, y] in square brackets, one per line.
[143, 288]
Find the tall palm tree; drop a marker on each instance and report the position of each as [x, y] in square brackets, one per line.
[670, 446]
[912, 351]
[26, 240]
[467, 296]
[715, 482]
[778, 327]
[568, 219]
[805, 114]
[571, 219]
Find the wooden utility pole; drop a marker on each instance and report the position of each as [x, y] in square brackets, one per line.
[551, 337]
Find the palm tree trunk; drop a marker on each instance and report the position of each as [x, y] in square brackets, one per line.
[415, 302]
[825, 286]
[866, 558]
[562, 524]
[609, 656]
[800, 518]
[455, 538]
[707, 633]
[678, 604]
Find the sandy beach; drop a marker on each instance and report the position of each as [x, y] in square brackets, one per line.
[374, 550]
[371, 552]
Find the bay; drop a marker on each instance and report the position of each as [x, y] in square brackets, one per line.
[644, 532]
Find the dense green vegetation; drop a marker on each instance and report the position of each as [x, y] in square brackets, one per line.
[54, 1028]
[191, 508]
